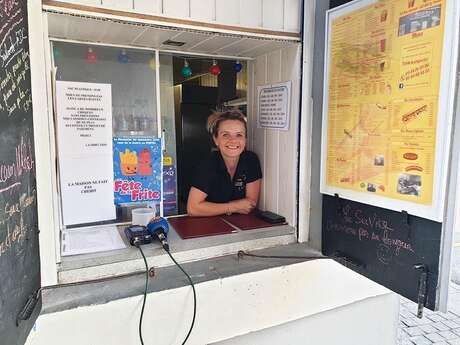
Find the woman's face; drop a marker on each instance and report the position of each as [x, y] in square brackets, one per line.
[231, 138]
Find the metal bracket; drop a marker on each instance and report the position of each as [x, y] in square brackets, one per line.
[340, 207]
[422, 288]
[29, 307]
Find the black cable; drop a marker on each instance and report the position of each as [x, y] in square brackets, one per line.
[194, 292]
[145, 293]
[242, 253]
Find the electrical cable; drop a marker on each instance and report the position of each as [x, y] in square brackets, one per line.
[193, 288]
[145, 293]
[242, 253]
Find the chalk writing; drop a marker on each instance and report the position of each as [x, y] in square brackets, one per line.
[15, 233]
[370, 227]
[7, 7]
[24, 162]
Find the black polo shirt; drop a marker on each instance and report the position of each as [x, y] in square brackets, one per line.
[213, 179]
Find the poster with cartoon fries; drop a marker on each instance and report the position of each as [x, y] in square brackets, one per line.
[137, 169]
[383, 139]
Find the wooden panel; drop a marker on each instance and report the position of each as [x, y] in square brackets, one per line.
[251, 13]
[176, 8]
[290, 70]
[203, 10]
[272, 166]
[214, 43]
[228, 12]
[292, 15]
[118, 4]
[154, 37]
[148, 6]
[84, 2]
[273, 14]
[260, 67]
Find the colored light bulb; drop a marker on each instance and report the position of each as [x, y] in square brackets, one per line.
[215, 68]
[237, 67]
[91, 56]
[186, 70]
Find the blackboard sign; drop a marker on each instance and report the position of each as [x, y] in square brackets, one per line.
[383, 245]
[19, 255]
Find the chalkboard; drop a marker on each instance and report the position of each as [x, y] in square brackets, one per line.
[19, 252]
[383, 245]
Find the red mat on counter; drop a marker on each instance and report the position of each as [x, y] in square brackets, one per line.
[191, 227]
[248, 221]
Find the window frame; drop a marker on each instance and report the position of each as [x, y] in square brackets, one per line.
[50, 241]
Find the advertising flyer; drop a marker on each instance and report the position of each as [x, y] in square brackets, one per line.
[137, 170]
[383, 93]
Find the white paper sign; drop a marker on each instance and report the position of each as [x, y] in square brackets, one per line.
[84, 123]
[84, 118]
[91, 240]
[273, 105]
[87, 189]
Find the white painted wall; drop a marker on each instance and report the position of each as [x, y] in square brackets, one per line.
[280, 15]
[277, 150]
[308, 298]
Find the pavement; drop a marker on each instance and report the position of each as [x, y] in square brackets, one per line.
[435, 327]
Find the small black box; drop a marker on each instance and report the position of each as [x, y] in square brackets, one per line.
[271, 217]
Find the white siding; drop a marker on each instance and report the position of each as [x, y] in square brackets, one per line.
[203, 10]
[176, 8]
[273, 14]
[277, 150]
[280, 15]
[251, 13]
[292, 10]
[148, 6]
[228, 12]
[118, 4]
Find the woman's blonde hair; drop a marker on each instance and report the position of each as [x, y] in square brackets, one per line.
[216, 118]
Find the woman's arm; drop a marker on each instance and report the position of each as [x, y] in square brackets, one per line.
[253, 191]
[198, 206]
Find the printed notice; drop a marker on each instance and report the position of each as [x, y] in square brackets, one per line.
[84, 123]
[384, 71]
[84, 112]
[274, 106]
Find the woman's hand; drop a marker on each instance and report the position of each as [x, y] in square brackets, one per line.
[243, 206]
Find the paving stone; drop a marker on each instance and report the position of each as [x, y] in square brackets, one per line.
[435, 317]
[440, 343]
[423, 321]
[406, 313]
[454, 342]
[448, 335]
[428, 329]
[435, 337]
[405, 342]
[413, 331]
[410, 322]
[421, 340]
[440, 326]
[451, 324]
[456, 331]
[451, 316]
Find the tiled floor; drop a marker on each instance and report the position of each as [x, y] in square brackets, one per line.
[435, 327]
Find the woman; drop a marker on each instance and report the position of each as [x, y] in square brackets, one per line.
[229, 180]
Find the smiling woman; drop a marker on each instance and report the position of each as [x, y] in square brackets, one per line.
[229, 180]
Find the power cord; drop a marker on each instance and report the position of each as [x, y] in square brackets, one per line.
[242, 253]
[145, 292]
[166, 248]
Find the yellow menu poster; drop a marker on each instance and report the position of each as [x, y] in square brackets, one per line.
[382, 99]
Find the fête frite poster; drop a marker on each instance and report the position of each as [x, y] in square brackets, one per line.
[137, 169]
[382, 100]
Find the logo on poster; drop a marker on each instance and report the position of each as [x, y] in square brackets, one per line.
[135, 191]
